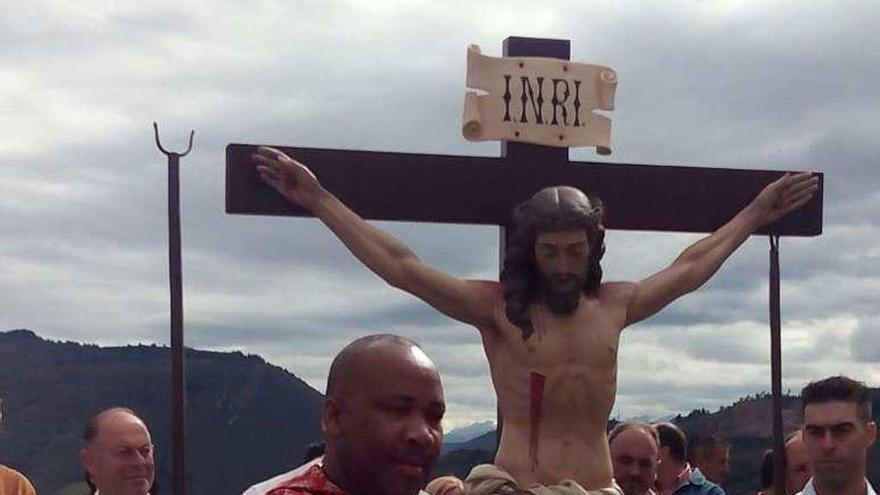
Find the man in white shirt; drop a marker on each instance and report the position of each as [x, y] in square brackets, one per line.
[635, 452]
[837, 432]
[797, 465]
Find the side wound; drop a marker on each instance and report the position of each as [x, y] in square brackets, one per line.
[536, 398]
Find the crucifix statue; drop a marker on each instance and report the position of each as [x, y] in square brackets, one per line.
[551, 326]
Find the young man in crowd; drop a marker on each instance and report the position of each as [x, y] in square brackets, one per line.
[675, 475]
[838, 429]
[711, 455]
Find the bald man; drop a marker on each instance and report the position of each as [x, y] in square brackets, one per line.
[380, 420]
[117, 453]
[797, 464]
[635, 450]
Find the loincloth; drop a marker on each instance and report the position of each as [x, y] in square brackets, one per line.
[489, 479]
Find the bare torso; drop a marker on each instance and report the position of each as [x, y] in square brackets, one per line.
[556, 389]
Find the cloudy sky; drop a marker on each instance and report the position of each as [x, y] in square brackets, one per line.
[746, 84]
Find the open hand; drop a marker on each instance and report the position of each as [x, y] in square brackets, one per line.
[783, 196]
[287, 176]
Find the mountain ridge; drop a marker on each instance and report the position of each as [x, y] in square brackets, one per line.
[51, 388]
[745, 424]
[468, 432]
[239, 406]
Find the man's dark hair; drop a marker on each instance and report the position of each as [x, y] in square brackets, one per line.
[551, 209]
[701, 447]
[838, 389]
[315, 449]
[634, 425]
[767, 469]
[344, 364]
[673, 439]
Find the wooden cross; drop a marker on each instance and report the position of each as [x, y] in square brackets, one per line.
[483, 190]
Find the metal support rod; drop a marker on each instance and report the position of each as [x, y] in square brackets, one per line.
[776, 370]
[178, 378]
[502, 249]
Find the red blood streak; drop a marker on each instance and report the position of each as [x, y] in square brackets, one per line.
[535, 400]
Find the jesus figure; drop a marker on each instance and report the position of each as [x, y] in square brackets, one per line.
[551, 327]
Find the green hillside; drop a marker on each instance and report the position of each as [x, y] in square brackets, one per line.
[246, 419]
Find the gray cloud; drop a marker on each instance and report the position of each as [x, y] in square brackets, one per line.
[773, 85]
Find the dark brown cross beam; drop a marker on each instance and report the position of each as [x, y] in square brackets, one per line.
[479, 190]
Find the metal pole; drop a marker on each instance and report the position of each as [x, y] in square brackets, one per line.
[178, 378]
[776, 370]
[502, 249]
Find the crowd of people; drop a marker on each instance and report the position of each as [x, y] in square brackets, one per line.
[389, 444]
[381, 424]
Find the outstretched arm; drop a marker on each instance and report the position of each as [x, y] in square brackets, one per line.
[696, 264]
[467, 301]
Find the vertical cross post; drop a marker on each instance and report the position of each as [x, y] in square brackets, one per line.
[541, 156]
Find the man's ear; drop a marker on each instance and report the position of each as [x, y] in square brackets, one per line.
[872, 432]
[86, 458]
[331, 411]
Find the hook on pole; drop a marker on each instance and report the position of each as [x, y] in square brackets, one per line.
[169, 153]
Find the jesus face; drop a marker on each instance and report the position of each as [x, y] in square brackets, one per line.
[562, 258]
